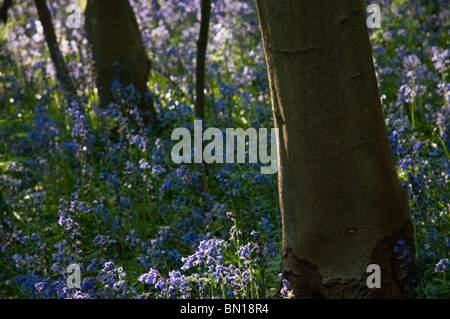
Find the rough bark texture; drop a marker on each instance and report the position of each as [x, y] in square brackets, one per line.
[115, 37]
[62, 72]
[342, 205]
[202, 43]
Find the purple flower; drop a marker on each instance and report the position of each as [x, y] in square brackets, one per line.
[440, 58]
[255, 234]
[442, 265]
[150, 277]
[244, 252]
[285, 290]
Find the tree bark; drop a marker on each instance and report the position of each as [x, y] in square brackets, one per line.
[342, 204]
[4, 10]
[202, 44]
[62, 72]
[114, 36]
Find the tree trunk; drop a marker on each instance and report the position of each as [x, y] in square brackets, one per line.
[115, 38]
[202, 43]
[342, 205]
[62, 72]
[4, 10]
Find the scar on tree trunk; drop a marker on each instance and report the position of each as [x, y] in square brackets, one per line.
[308, 283]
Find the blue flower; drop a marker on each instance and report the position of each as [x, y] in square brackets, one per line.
[442, 265]
[244, 252]
[150, 277]
[255, 234]
[190, 238]
[125, 202]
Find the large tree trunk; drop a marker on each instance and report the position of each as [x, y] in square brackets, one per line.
[115, 38]
[62, 71]
[342, 205]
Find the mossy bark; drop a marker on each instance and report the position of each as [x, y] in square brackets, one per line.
[342, 204]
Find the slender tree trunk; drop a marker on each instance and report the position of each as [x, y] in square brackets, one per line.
[115, 38]
[62, 72]
[202, 43]
[4, 10]
[342, 205]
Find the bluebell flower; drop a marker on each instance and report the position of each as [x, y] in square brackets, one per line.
[125, 202]
[244, 252]
[190, 238]
[442, 265]
[150, 277]
[230, 215]
[285, 290]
